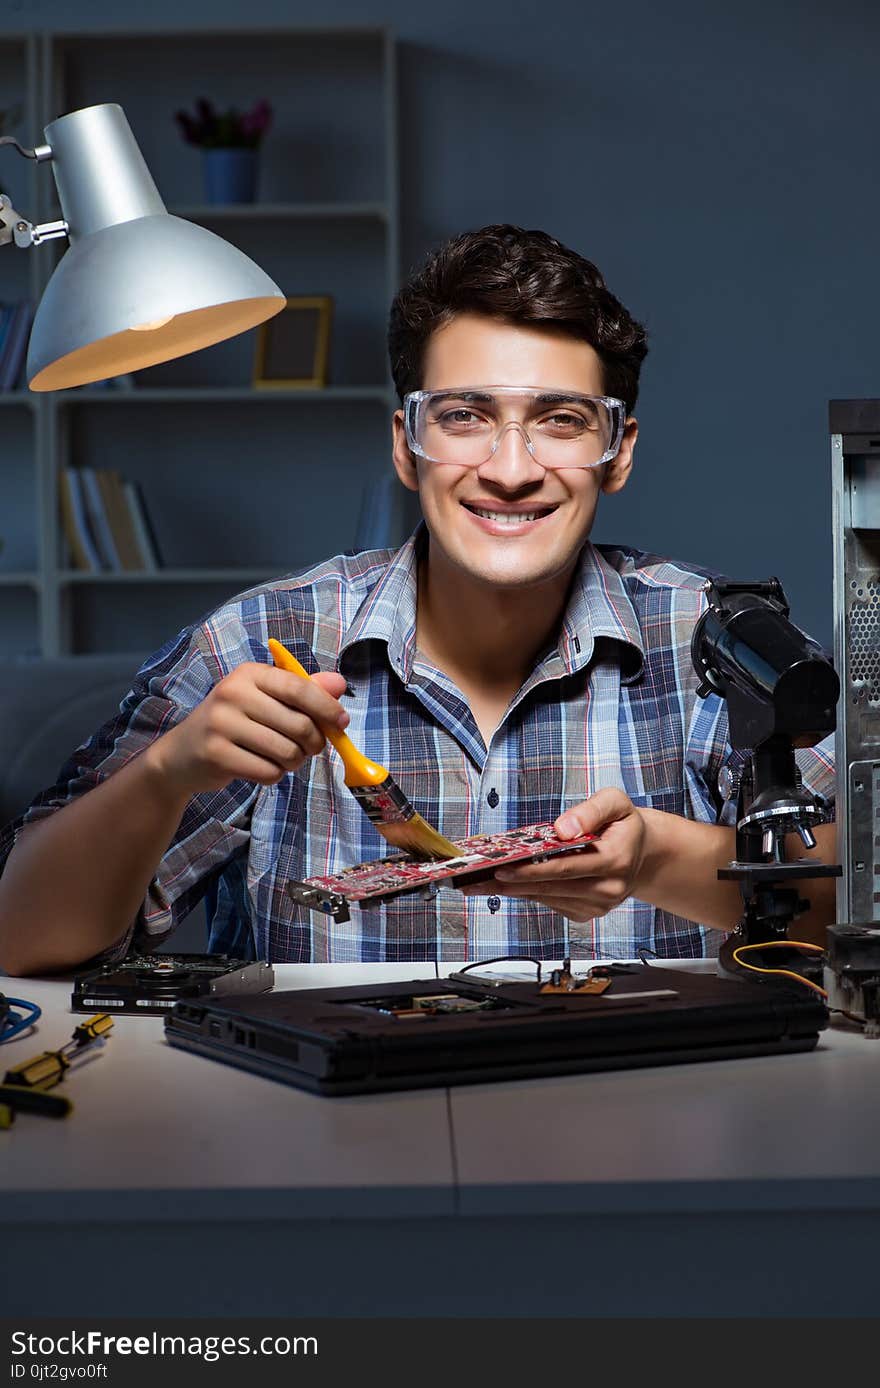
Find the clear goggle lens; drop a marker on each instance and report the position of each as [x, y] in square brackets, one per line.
[467, 426]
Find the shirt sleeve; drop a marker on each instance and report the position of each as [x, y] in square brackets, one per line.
[816, 765]
[215, 826]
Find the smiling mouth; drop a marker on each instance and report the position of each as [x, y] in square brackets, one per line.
[509, 517]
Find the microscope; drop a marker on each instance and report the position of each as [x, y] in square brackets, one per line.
[781, 691]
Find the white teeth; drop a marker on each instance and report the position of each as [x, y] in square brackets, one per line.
[506, 517]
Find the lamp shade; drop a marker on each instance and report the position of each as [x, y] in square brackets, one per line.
[136, 286]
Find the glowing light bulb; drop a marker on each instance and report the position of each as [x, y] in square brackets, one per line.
[152, 325]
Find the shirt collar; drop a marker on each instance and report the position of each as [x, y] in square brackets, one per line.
[388, 613]
[598, 606]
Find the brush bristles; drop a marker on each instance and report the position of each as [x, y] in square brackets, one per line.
[398, 822]
[416, 837]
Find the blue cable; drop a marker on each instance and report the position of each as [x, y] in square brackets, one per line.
[12, 1025]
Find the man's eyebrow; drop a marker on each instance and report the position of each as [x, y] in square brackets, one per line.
[560, 398]
[554, 397]
[477, 396]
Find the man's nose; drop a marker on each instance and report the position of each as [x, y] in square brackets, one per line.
[511, 464]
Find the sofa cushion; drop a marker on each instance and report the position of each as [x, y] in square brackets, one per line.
[48, 708]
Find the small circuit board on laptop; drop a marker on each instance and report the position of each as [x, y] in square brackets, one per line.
[370, 884]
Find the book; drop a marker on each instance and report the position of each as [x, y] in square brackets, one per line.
[99, 522]
[119, 520]
[6, 313]
[17, 368]
[75, 524]
[12, 355]
[140, 520]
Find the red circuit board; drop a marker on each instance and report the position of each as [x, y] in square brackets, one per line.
[383, 878]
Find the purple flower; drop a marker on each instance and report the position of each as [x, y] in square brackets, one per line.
[256, 122]
[230, 129]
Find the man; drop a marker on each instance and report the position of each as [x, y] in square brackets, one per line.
[504, 669]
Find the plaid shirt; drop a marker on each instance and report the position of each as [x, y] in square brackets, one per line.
[612, 703]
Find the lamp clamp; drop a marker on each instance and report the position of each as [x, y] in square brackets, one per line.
[14, 227]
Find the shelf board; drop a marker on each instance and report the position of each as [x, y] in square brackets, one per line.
[18, 398]
[20, 578]
[274, 211]
[244, 578]
[233, 33]
[288, 211]
[195, 395]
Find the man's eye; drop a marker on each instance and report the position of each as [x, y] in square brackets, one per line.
[563, 422]
[459, 419]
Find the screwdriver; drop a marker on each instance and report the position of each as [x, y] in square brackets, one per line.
[49, 1068]
[24, 1086]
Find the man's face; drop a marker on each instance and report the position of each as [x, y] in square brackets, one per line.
[467, 509]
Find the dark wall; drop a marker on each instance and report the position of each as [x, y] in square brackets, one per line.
[719, 163]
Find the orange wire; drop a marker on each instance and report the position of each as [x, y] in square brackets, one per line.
[785, 973]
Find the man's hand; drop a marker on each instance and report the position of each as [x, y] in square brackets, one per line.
[586, 884]
[664, 859]
[255, 725]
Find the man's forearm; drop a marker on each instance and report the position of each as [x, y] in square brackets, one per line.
[75, 880]
[679, 874]
[679, 871]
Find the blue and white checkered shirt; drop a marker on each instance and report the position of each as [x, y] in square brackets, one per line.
[612, 703]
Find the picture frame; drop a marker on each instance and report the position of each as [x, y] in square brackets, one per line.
[293, 347]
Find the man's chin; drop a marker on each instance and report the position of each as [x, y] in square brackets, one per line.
[513, 577]
[507, 567]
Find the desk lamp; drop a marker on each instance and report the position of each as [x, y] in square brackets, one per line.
[137, 286]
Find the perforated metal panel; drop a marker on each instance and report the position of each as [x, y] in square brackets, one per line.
[855, 459]
[863, 635]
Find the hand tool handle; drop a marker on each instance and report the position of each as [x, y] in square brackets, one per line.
[359, 770]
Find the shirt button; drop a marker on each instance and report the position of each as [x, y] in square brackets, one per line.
[493, 798]
[494, 904]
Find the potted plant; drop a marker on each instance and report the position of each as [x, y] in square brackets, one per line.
[229, 141]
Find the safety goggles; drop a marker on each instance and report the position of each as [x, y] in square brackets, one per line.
[559, 429]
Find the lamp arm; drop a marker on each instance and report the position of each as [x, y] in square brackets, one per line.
[40, 152]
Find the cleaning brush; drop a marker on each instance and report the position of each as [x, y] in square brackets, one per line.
[378, 794]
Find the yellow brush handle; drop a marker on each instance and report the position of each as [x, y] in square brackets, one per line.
[359, 770]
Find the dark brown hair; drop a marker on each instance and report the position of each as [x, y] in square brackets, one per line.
[516, 276]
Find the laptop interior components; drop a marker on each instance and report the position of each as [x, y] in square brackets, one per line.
[460, 1030]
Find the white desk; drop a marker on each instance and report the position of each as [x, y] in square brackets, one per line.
[189, 1187]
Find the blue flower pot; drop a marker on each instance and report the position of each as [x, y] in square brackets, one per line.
[230, 175]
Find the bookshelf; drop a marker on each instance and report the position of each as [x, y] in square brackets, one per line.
[22, 560]
[240, 484]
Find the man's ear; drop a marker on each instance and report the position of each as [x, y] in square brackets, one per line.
[618, 470]
[404, 462]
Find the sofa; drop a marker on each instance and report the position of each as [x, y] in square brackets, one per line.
[48, 707]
